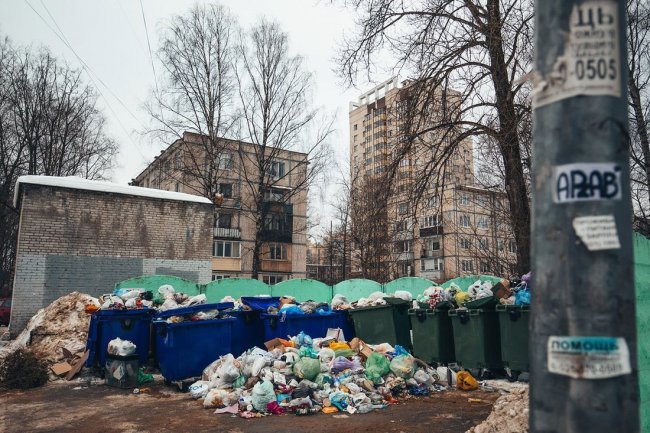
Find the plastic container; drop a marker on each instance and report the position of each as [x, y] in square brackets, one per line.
[513, 324]
[315, 325]
[106, 325]
[121, 371]
[384, 323]
[433, 335]
[477, 342]
[185, 348]
[248, 329]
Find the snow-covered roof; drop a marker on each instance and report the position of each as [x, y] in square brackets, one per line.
[74, 182]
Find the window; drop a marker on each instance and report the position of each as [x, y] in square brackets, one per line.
[223, 220]
[499, 245]
[463, 199]
[177, 187]
[432, 264]
[225, 161]
[485, 267]
[178, 160]
[484, 244]
[467, 265]
[355, 139]
[277, 251]
[405, 162]
[483, 222]
[276, 169]
[433, 244]
[226, 189]
[512, 246]
[481, 201]
[273, 195]
[464, 221]
[272, 279]
[430, 221]
[403, 246]
[403, 208]
[226, 249]
[216, 277]
[465, 243]
[432, 201]
[401, 226]
[354, 127]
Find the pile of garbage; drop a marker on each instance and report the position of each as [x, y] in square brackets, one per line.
[59, 331]
[509, 414]
[340, 302]
[125, 299]
[304, 375]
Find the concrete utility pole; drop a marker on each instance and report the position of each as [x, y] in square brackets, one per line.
[583, 336]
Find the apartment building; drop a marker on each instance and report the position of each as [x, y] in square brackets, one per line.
[453, 227]
[230, 176]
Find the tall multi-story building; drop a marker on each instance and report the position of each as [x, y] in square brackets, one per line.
[453, 227]
[184, 167]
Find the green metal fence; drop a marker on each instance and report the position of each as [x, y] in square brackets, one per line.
[235, 287]
[153, 282]
[356, 288]
[303, 289]
[415, 285]
[467, 280]
[642, 284]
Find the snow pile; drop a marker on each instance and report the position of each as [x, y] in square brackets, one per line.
[509, 414]
[63, 323]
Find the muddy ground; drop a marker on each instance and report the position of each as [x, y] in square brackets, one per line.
[74, 407]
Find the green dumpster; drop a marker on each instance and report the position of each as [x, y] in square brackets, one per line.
[384, 323]
[513, 324]
[433, 337]
[477, 342]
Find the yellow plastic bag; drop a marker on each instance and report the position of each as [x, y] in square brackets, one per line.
[466, 381]
[335, 345]
[461, 298]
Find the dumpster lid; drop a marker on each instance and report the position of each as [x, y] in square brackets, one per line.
[194, 309]
[487, 303]
[260, 303]
[131, 312]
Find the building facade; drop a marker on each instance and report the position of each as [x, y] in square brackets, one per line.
[440, 226]
[86, 236]
[235, 185]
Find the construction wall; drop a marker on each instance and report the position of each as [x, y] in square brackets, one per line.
[87, 241]
[642, 284]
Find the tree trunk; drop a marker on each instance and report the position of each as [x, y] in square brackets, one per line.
[642, 130]
[508, 139]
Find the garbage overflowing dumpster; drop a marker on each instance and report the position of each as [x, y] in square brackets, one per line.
[188, 339]
[105, 325]
[383, 323]
[285, 324]
[248, 329]
[433, 336]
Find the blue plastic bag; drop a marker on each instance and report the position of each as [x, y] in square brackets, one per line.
[522, 297]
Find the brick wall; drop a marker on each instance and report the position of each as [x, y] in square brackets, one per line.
[87, 241]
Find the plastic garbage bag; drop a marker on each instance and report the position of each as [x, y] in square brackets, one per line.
[341, 364]
[403, 366]
[339, 400]
[465, 381]
[307, 368]
[217, 398]
[308, 351]
[399, 350]
[169, 304]
[166, 290]
[323, 378]
[262, 395]
[336, 345]
[120, 347]
[374, 296]
[339, 302]
[199, 389]
[196, 300]
[326, 354]
[239, 382]
[303, 339]
[346, 353]
[403, 294]
[377, 366]
[422, 377]
[461, 298]
[522, 297]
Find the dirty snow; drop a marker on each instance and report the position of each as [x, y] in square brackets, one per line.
[75, 182]
[509, 413]
[63, 323]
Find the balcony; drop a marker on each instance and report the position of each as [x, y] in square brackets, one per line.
[406, 256]
[220, 232]
[431, 231]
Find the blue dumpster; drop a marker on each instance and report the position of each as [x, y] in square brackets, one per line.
[315, 325]
[184, 349]
[106, 325]
[248, 329]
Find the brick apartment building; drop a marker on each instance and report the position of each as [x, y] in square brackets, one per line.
[283, 253]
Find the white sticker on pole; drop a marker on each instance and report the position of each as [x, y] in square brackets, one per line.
[597, 232]
[588, 357]
[586, 182]
[591, 62]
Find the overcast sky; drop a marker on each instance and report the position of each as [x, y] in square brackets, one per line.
[110, 38]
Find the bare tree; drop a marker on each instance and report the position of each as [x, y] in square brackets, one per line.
[196, 94]
[480, 50]
[274, 92]
[638, 33]
[49, 125]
